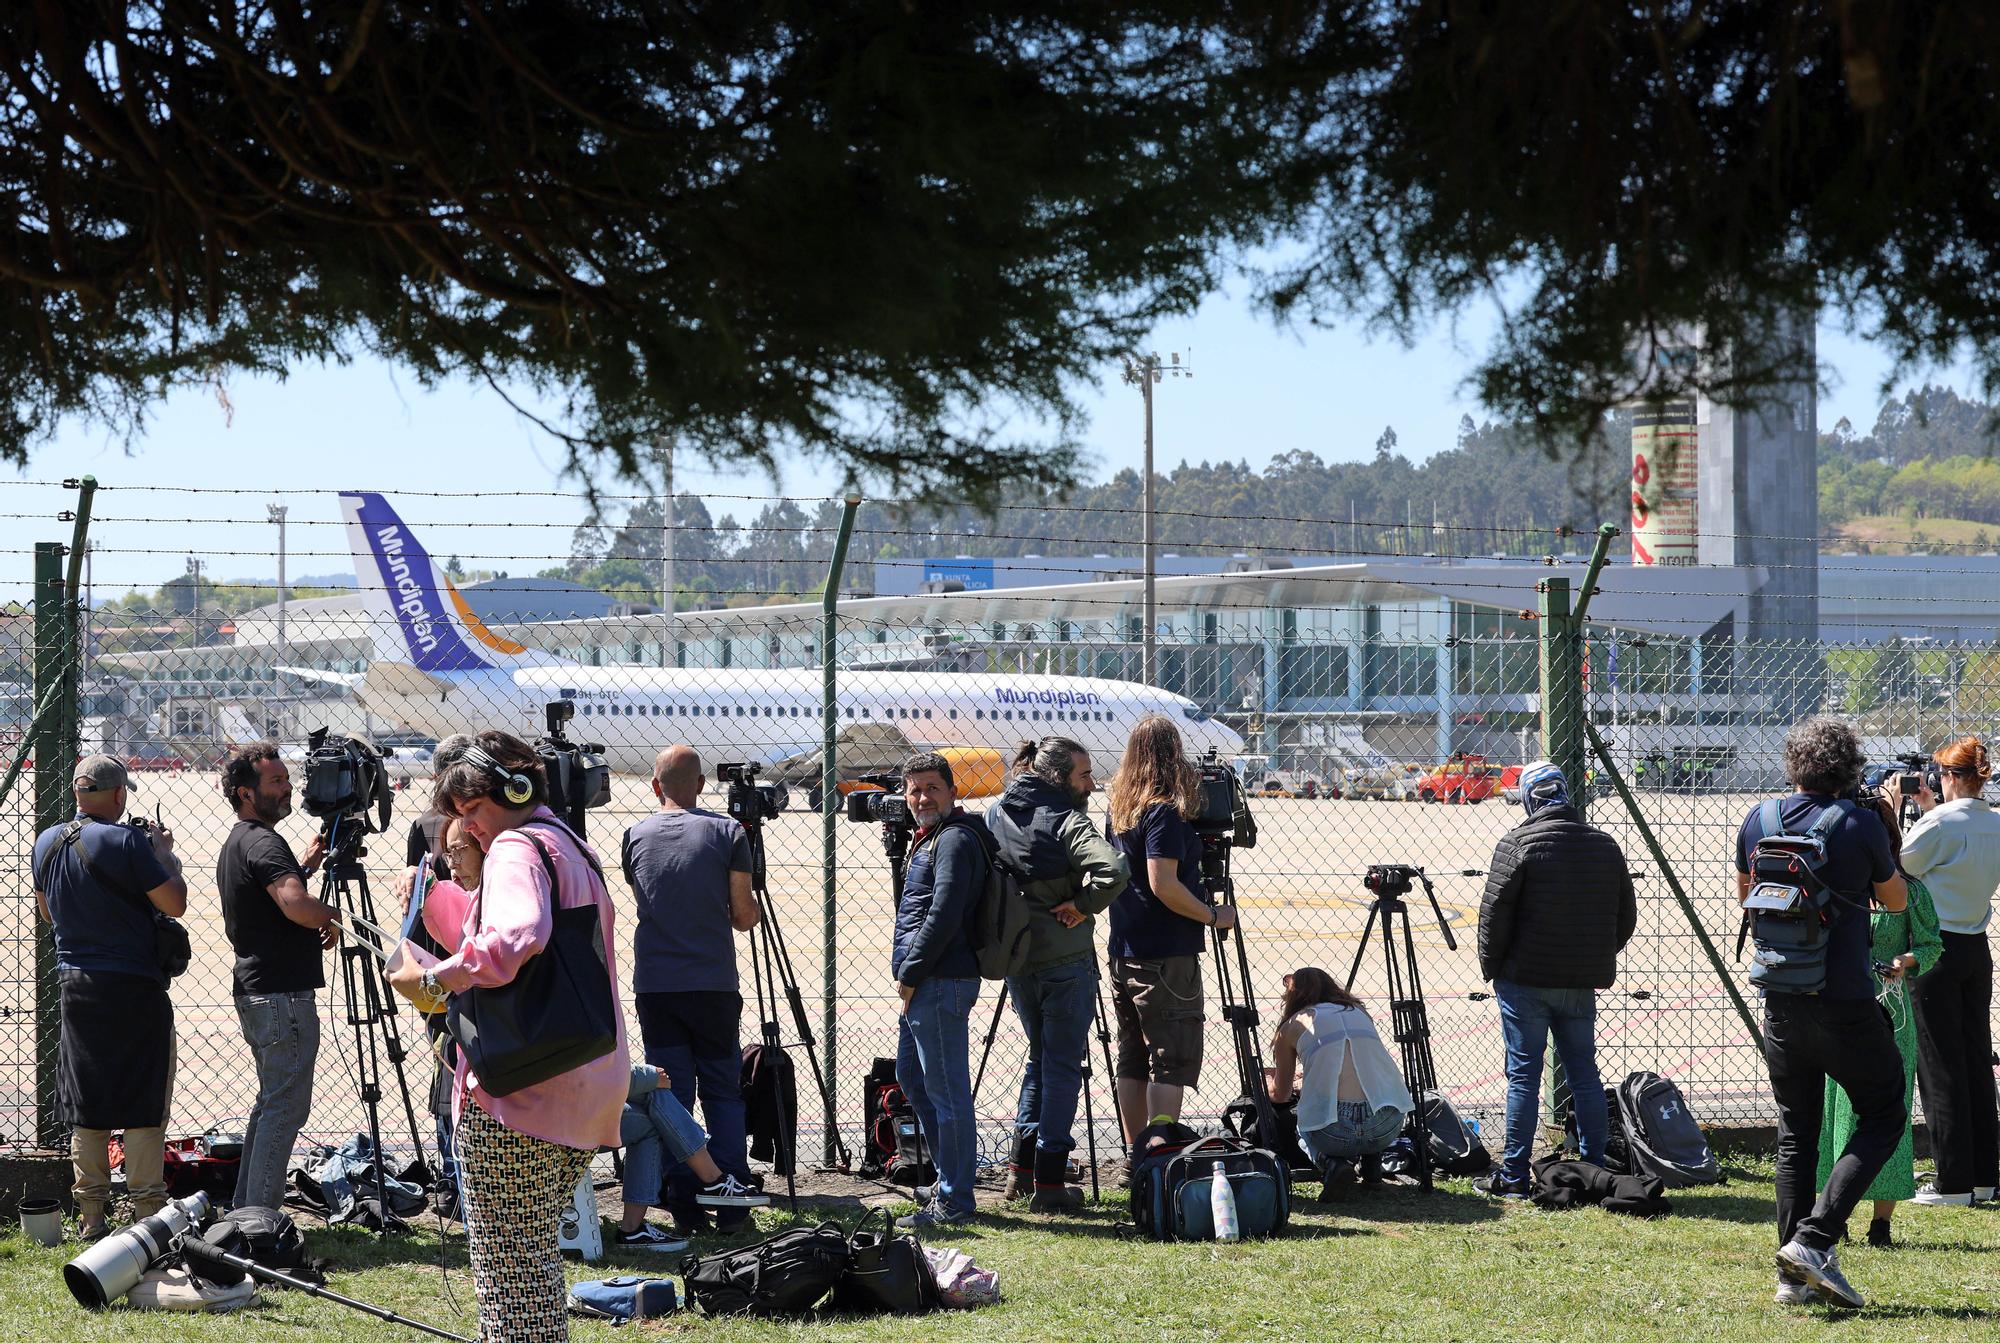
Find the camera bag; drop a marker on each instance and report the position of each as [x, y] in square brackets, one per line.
[787, 1274]
[1172, 1185]
[894, 1146]
[556, 1014]
[1788, 911]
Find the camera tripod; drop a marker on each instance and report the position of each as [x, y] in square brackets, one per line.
[345, 887]
[772, 975]
[1239, 1005]
[1410, 1019]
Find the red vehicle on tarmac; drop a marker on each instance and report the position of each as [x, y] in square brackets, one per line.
[1463, 778]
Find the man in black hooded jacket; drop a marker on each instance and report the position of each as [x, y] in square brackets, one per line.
[1558, 909]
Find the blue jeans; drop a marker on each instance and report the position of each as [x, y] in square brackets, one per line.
[650, 1129]
[931, 1064]
[282, 1030]
[1528, 1017]
[1359, 1131]
[692, 1038]
[1055, 1010]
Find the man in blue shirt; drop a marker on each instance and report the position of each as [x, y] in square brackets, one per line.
[99, 883]
[937, 979]
[1840, 1031]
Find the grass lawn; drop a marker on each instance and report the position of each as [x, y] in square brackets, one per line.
[1387, 1264]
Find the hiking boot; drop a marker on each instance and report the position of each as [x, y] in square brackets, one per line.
[1020, 1168]
[1371, 1169]
[1496, 1185]
[729, 1192]
[1820, 1269]
[1053, 1192]
[1791, 1293]
[649, 1237]
[1931, 1198]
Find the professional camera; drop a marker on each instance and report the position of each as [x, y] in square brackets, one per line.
[577, 774]
[883, 804]
[1391, 879]
[1225, 809]
[344, 777]
[751, 802]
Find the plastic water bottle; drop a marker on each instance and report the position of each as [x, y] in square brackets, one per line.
[1222, 1206]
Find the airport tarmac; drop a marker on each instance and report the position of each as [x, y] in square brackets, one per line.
[1300, 892]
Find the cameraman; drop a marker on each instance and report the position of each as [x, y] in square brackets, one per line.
[1840, 1032]
[689, 870]
[1068, 873]
[1557, 910]
[937, 978]
[1954, 850]
[98, 883]
[1156, 925]
[278, 932]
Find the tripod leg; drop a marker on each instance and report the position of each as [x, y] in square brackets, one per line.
[1090, 1124]
[992, 1029]
[1110, 1068]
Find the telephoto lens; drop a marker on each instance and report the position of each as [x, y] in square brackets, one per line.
[113, 1266]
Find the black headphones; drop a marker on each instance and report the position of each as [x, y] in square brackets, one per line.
[516, 789]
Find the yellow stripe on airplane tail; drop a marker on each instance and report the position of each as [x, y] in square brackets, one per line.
[477, 627]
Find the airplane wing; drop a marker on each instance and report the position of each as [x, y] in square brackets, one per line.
[345, 680]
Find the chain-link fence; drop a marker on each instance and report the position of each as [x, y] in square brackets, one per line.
[1366, 735]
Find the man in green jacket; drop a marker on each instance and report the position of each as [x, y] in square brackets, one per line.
[1068, 873]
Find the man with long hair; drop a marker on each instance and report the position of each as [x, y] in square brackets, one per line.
[1068, 873]
[1157, 925]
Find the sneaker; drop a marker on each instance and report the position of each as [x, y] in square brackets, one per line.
[1931, 1198]
[932, 1218]
[1983, 1193]
[1820, 1269]
[729, 1192]
[1794, 1293]
[649, 1237]
[1496, 1185]
[924, 1194]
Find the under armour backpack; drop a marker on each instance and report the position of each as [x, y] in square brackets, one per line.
[1662, 1141]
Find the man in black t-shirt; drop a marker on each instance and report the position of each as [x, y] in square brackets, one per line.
[1840, 1032]
[278, 931]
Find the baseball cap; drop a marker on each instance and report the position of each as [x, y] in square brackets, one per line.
[101, 774]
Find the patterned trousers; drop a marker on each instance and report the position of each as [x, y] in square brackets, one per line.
[516, 1190]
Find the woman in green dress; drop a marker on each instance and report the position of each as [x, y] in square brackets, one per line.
[1906, 940]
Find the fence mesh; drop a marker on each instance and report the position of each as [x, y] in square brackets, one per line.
[1364, 739]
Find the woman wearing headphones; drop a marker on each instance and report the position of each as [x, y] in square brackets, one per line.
[520, 1155]
[1955, 851]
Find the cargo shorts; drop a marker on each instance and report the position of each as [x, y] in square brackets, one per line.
[1158, 1006]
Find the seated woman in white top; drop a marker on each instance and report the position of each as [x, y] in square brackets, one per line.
[1352, 1101]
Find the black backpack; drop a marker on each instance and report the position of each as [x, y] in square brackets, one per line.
[1789, 909]
[788, 1274]
[1663, 1141]
[1000, 923]
[1453, 1146]
[267, 1236]
[894, 1147]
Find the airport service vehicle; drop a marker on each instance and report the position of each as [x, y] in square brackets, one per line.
[437, 668]
[1463, 778]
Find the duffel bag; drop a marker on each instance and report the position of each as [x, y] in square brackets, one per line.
[1171, 1189]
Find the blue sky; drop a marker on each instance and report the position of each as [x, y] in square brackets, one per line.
[1256, 391]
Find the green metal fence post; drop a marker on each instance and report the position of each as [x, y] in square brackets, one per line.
[829, 800]
[55, 765]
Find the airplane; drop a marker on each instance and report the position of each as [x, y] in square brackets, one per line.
[438, 668]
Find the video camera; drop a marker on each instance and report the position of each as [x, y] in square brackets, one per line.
[1225, 814]
[344, 777]
[1391, 879]
[750, 802]
[577, 774]
[884, 807]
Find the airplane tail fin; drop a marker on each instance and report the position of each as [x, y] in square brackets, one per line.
[429, 625]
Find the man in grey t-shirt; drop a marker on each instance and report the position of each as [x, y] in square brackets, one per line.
[690, 873]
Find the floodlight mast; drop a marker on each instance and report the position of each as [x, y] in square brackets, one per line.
[1145, 370]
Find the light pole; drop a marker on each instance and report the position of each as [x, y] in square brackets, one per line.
[1146, 370]
[194, 571]
[276, 513]
[665, 453]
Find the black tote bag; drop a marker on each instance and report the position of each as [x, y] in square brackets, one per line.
[556, 1014]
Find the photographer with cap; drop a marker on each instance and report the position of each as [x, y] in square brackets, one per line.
[937, 979]
[99, 884]
[278, 932]
[1838, 1030]
[1954, 850]
[1068, 873]
[1557, 910]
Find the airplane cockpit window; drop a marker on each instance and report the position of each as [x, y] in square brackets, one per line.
[1194, 714]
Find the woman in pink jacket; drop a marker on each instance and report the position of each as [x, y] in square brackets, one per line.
[520, 1155]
